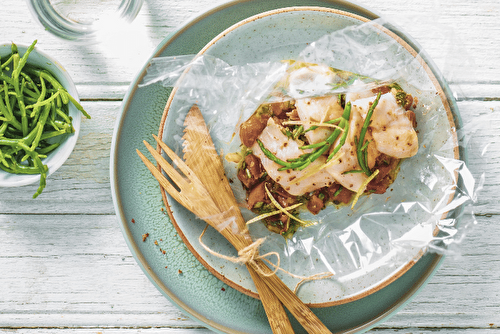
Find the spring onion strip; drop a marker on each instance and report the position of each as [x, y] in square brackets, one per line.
[281, 209]
[362, 188]
[272, 213]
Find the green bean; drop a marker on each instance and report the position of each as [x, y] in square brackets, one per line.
[53, 81]
[313, 157]
[361, 148]
[353, 171]
[30, 95]
[59, 102]
[17, 67]
[6, 63]
[22, 61]
[3, 128]
[31, 82]
[63, 115]
[41, 125]
[3, 160]
[341, 142]
[319, 144]
[302, 157]
[338, 191]
[40, 98]
[77, 105]
[297, 132]
[344, 135]
[48, 149]
[271, 156]
[365, 146]
[365, 159]
[7, 111]
[368, 117]
[42, 103]
[52, 134]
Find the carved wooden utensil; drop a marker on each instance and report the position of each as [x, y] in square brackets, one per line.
[205, 191]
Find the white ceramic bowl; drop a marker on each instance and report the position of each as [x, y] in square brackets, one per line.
[56, 158]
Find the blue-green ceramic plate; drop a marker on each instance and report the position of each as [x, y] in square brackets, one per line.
[223, 305]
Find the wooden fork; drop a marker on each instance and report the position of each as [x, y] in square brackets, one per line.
[193, 195]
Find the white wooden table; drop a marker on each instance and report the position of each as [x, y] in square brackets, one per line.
[64, 264]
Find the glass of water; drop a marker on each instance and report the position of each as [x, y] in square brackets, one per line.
[80, 20]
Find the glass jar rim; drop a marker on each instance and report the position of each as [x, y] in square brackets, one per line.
[62, 27]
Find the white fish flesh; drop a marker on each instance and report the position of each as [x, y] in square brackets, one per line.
[348, 160]
[392, 130]
[286, 148]
[318, 110]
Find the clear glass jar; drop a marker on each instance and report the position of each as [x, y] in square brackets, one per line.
[80, 20]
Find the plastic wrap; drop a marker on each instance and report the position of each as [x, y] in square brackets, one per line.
[420, 211]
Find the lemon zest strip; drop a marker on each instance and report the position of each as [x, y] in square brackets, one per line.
[362, 188]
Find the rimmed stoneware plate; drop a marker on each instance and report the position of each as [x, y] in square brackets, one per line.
[227, 304]
[366, 248]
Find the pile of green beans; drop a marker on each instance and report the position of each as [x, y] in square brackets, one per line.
[34, 108]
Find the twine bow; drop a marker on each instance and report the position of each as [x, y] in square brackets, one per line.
[250, 253]
[246, 255]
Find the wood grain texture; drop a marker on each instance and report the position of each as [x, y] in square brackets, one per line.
[64, 266]
[86, 276]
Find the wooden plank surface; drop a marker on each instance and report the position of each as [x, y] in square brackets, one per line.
[64, 266]
[86, 276]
